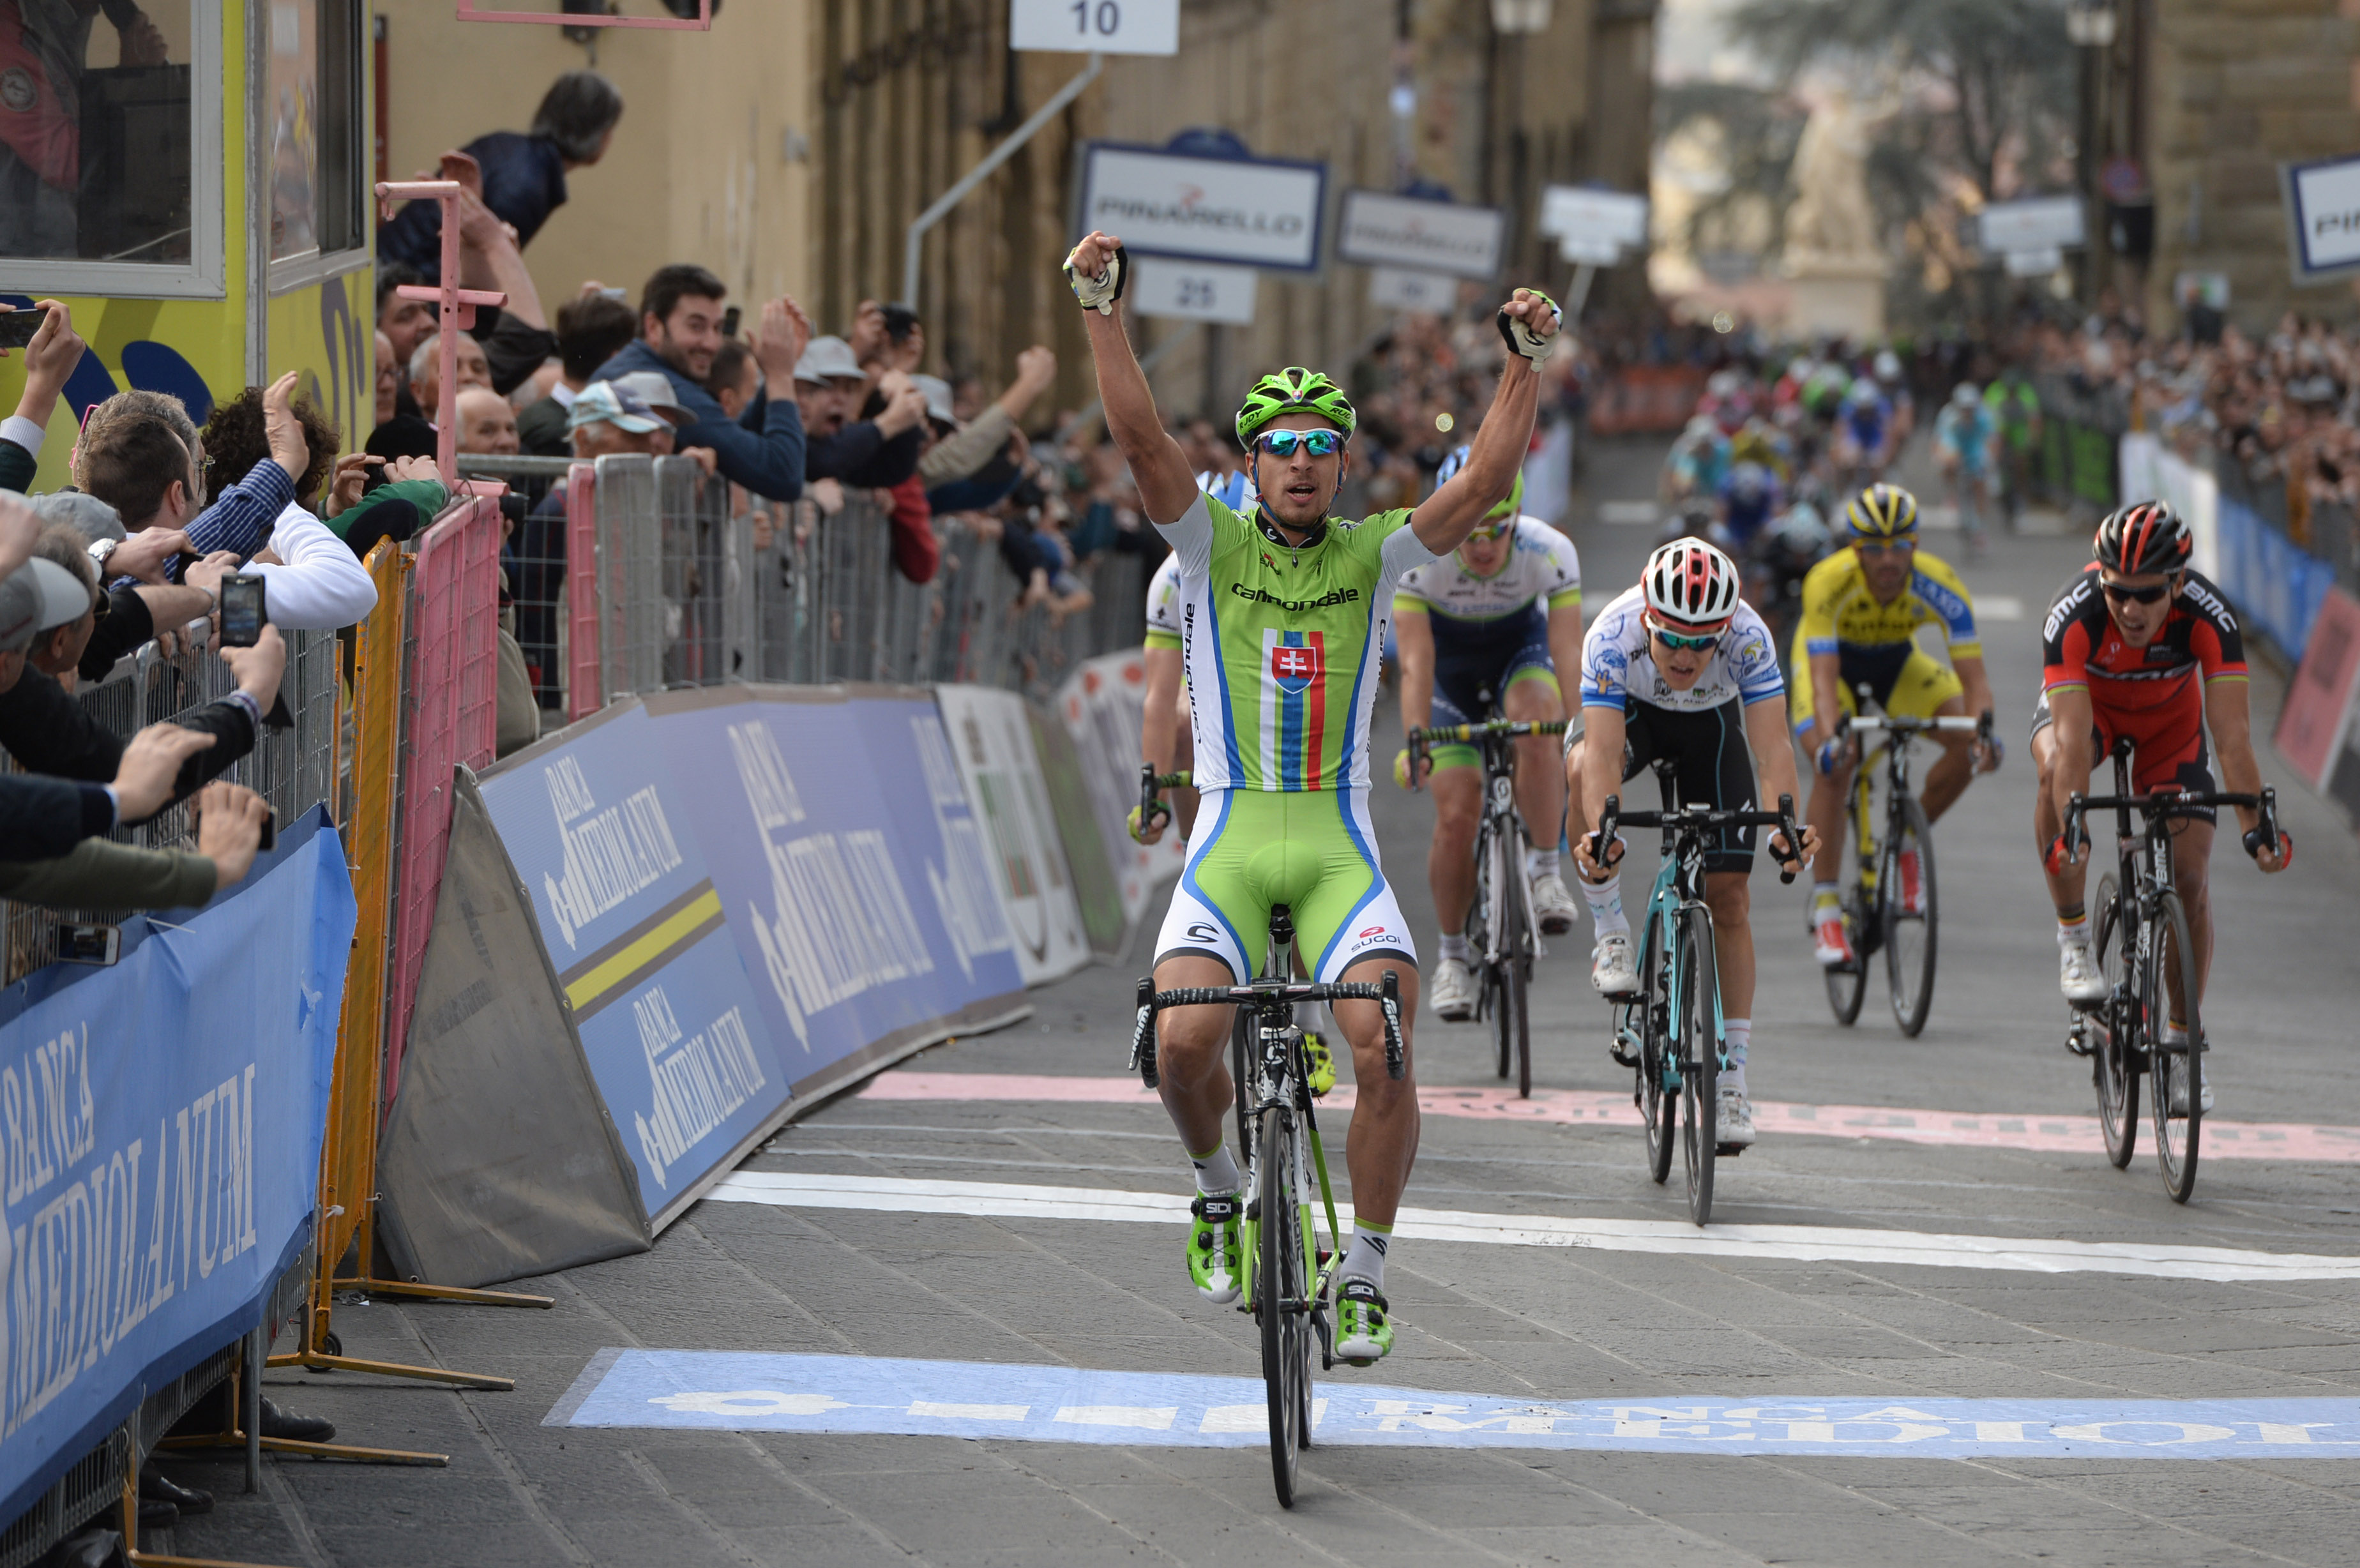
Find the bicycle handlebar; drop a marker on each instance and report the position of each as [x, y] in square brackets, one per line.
[1700, 819]
[1423, 737]
[1887, 723]
[2172, 803]
[1151, 1001]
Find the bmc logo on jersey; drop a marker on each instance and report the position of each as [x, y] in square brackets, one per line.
[1295, 666]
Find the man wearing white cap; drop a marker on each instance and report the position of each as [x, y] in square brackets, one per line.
[874, 454]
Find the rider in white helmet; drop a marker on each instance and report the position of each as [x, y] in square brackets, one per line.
[1679, 668]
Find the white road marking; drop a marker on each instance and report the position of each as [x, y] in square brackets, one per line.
[2037, 1255]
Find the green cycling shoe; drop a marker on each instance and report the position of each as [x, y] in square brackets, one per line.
[1321, 1063]
[1215, 1252]
[1364, 1329]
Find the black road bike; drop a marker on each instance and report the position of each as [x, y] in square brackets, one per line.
[2149, 960]
[1500, 927]
[1887, 908]
[1289, 1280]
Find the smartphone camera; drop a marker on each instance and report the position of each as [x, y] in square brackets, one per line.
[900, 321]
[242, 611]
[82, 943]
[729, 319]
[17, 327]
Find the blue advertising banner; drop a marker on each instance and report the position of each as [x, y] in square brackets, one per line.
[2276, 584]
[752, 894]
[159, 1149]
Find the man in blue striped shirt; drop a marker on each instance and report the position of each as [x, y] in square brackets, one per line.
[141, 455]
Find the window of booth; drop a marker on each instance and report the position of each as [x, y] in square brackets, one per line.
[312, 103]
[110, 146]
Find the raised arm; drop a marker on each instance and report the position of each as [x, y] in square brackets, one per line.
[1530, 322]
[1166, 488]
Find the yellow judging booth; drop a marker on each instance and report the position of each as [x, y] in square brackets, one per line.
[190, 178]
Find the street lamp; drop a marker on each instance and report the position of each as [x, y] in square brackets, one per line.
[2090, 24]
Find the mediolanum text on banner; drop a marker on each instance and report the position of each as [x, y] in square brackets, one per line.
[751, 895]
[161, 1121]
[1246, 212]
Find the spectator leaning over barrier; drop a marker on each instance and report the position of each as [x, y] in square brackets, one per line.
[880, 448]
[133, 613]
[140, 455]
[680, 332]
[486, 423]
[591, 330]
[523, 175]
[49, 359]
[311, 581]
[962, 449]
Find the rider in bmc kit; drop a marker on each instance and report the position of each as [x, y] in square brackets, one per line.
[1497, 619]
[2123, 649]
[1862, 609]
[1282, 619]
[1679, 667]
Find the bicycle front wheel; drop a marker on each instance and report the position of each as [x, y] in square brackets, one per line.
[2114, 1066]
[2168, 991]
[1282, 1302]
[1910, 910]
[1659, 1107]
[1848, 982]
[1496, 898]
[1511, 1022]
[1697, 1030]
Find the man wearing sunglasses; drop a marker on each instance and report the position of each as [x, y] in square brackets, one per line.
[1283, 620]
[1862, 609]
[1679, 667]
[2136, 645]
[1492, 623]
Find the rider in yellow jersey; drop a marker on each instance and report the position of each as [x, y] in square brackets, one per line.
[1862, 609]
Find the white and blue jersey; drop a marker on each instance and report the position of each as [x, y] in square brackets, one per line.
[1618, 666]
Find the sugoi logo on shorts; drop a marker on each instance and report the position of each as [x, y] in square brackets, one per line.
[1295, 666]
[1367, 932]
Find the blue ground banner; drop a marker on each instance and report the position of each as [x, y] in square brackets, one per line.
[159, 1149]
[784, 1392]
[750, 894]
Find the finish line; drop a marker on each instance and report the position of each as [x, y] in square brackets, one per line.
[726, 1392]
[2038, 1134]
[996, 1200]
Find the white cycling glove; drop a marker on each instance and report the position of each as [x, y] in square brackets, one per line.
[1100, 293]
[1525, 340]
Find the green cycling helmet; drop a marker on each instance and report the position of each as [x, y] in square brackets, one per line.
[1292, 389]
[1507, 509]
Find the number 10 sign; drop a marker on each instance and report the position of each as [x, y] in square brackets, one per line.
[1094, 26]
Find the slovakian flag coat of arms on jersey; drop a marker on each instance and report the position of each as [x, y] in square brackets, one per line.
[1295, 707]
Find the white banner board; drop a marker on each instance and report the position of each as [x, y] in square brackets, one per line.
[1396, 288]
[1382, 230]
[1099, 703]
[2323, 205]
[1244, 211]
[1591, 253]
[991, 736]
[2044, 222]
[1193, 290]
[2034, 263]
[1576, 212]
[1094, 26]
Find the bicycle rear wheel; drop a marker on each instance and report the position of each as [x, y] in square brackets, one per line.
[1658, 1109]
[2177, 1109]
[2114, 1066]
[1279, 1280]
[1511, 1022]
[1493, 899]
[1909, 930]
[1697, 1031]
[1848, 984]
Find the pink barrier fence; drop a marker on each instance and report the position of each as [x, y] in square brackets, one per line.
[583, 692]
[452, 707]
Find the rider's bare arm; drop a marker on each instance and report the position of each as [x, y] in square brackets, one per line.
[1445, 518]
[1827, 697]
[2228, 708]
[1166, 488]
[1602, 737]
[1773, 762]
[1159, 721]
[1565, 652]
[2069, 774]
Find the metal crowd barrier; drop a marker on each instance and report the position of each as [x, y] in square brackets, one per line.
[694, 582]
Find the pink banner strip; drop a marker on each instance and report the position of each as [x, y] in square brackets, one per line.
[2041, 1134]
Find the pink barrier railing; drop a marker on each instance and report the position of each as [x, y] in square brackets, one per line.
[583, 684]
[452, 710]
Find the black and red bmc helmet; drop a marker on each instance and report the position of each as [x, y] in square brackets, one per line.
[2142, 538]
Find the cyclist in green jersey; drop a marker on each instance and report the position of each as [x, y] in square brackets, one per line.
[1282, 619]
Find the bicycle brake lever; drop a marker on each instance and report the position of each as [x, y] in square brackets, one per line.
[1791, 864]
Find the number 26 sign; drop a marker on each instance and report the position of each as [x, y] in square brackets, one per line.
[1094, 26]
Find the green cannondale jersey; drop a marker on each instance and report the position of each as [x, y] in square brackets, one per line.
[1281, 644]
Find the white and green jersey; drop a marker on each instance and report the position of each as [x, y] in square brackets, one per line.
[1281, 644]
[1542, 567]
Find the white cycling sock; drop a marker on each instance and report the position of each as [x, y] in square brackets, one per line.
[1365, 1259]
[2073, 932]
[1458, 947]
[1216, 1172]
[1605, 901]
[1738, 1033]
[1540, 863]
[1826, 895]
